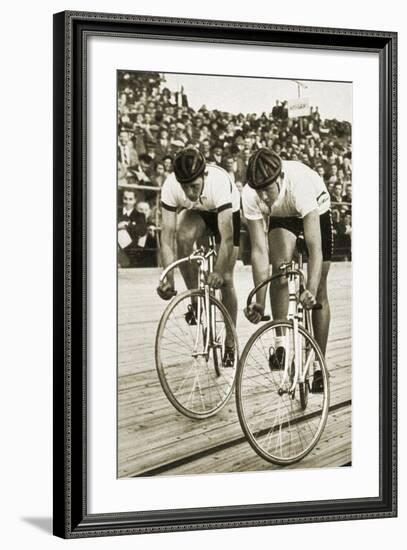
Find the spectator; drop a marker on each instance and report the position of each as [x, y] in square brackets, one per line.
[345, 236]
[122, 174]
[144, 208]
[337, 192]
[330, 187]
[216, 156]
[230, 168]
[277, 147]
[167, 161]
[348, 193]
[142, 170]
[127, 153]
[320, 171]
[206, 149]
[163, 144]
[125, 118]
[151, 150]
[154, 123]
[131, 229]
[333, 173]
[241, 165]
[149, 246]
[276, 111]
[159, 174]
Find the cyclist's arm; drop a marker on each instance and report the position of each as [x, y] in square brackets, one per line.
[225, 225]
[259, 257]
[168, 224]
[312, 235]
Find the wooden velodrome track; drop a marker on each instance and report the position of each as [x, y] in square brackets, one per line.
[153, 438]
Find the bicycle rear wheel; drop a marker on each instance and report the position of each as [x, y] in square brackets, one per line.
[193, 378]
[279, 425]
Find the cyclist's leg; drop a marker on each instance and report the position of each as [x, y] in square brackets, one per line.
[229, 296]
[320, 322]
[321, 317]
[190, 227]
[282, 243]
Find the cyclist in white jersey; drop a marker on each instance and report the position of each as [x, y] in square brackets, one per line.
[199, 199]
[292, 199]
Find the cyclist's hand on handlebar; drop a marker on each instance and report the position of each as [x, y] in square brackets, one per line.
[215, 280]
[165, 290]
[307, 299]
[254, 312]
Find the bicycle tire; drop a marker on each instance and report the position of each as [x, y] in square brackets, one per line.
[304, 392]
[216, 352]
[304, 387]
[215, 383]
[255, 393]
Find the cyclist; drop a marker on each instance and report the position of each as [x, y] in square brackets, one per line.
[198, 199]
[295, 201]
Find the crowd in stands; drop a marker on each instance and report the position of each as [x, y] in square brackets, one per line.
[154, 124]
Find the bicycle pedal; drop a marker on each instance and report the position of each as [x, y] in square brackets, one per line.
[317, 382]
[228, 360]
[276, 358]
[190, 316]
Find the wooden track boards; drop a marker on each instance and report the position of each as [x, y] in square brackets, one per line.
[153, 438]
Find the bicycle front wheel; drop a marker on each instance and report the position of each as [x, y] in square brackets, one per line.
[282, 423]
[189, 351]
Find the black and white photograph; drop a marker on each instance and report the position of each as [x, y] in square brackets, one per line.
[225, 345]
[234, 274]
[201, 313]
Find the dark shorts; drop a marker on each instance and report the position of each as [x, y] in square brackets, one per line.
[211, 222]
[296, 226]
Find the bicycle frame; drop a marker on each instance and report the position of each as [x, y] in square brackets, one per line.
[205, 260]
[298, 316]
[294, 274]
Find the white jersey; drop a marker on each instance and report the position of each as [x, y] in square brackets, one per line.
[302, 191]
[218, 193]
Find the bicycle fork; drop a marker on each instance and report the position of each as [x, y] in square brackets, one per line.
[295, 315]
[204, 308]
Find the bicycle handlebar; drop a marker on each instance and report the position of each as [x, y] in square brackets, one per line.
[171, 267]
[198, 255]
[268, 280]
[283, 273]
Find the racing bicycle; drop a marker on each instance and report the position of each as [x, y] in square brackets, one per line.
[282, 385]
[190, 344]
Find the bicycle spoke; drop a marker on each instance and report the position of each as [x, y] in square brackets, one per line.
[184, 380]
[275, 420]
[266, 352]
[184, 346]
[179, 339]
[265, 370]
[209, 385]
[188, 375]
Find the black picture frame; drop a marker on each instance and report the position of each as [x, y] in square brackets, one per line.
[71, 518]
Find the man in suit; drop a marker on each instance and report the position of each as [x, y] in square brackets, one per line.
[132, 229]
[126, 151]
[242, 161]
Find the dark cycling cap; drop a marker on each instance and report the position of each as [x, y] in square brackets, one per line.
[189, 164]
[263, 168]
